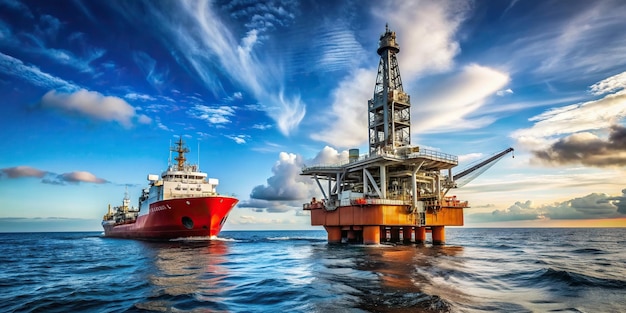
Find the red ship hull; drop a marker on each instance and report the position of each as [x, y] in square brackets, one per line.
[176, 218]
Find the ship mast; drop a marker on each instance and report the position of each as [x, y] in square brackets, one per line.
[181, 150]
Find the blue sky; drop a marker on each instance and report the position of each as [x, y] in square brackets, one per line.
[94, 91]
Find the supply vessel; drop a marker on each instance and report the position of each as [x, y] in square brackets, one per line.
[183, 202]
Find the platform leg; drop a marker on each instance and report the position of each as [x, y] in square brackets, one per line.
[439, 235]
[395, 234]
[334, 234]
[407, 234]
[371, 235]
[420, 234]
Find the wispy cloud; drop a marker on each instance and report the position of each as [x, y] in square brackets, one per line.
[148, 66]
[590, 116]
[33, 75]
[47, 29]
[568, 44]
[454, 104]
[205, 45]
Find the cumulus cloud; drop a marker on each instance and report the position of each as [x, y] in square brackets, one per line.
[287, 188]
[22, 171]
[92, 105]
[587, 149]
[286, 184]
[591, 206]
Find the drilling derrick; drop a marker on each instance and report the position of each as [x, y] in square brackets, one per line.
[389, 110]
[397, 191]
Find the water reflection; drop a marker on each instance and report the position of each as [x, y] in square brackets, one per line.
[189, 275]
[387, 278]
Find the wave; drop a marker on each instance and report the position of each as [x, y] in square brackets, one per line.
[203, 238]
[311, 239]
[549, 276]
[589, 251]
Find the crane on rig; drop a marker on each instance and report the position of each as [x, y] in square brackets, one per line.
[465, 176]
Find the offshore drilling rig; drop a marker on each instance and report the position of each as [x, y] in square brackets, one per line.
[397, 189]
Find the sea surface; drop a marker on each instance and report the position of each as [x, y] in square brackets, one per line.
[478, 270]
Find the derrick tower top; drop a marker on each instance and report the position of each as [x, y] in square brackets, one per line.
[389, 109]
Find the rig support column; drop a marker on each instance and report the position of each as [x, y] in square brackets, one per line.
[439, 235]
[407, 234]
[420, 234]
[371, 235]
[395, 234]
[334, 234]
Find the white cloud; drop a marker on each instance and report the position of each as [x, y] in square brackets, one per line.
[51, 178]
[287, 189]
[345, 125]
[502, 93]
[213, 115]
[452, 103]
[611, 84]
[239, 139]
[138, 96]
[81, 176]
[415, 23]
[426, 31]
[33, 74]
[261, 126]
[589, 116]
[210, 43]
[22, 171]
[93, 105]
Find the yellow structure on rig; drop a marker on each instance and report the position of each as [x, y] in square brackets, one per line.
[397, 189]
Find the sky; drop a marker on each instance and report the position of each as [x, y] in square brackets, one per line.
[93, 93]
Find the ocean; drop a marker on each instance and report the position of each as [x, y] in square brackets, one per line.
[478, 270]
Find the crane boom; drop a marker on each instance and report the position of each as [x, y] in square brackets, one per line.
[464, 177]
[481, 164]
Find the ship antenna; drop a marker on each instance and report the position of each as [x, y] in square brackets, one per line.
[169, 159]
[198, 155]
